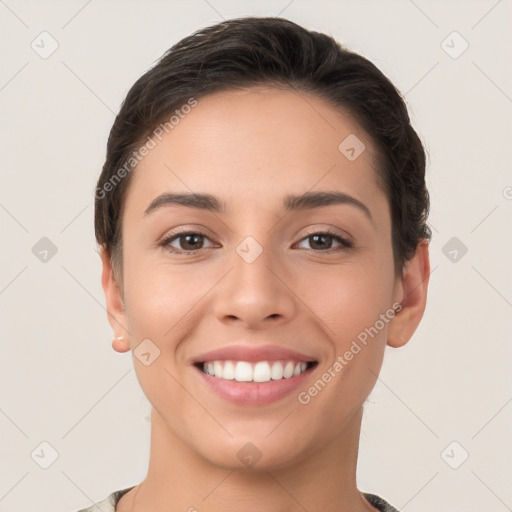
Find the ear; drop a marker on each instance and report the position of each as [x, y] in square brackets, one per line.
[411, 293]
[115, 304]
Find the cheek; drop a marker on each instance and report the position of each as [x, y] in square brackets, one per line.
[350, 302]
[162, 298]
[159, 301]
[350, 297]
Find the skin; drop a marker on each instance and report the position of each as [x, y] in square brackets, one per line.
[250, 148]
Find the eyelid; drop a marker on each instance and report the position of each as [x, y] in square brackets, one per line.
[198, 229]
[166, 240]
[331, 230]
[345, 242]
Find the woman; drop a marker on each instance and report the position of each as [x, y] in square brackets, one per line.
[261, 217]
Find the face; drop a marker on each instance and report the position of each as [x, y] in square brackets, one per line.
[255, 278]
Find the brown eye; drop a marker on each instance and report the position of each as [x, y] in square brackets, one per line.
[322, 242]
[185, 242]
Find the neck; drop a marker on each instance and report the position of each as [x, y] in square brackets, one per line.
[179, 479]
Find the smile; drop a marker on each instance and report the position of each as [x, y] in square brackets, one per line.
[259, 371]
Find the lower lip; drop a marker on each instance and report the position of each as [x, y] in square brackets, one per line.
[254, 393]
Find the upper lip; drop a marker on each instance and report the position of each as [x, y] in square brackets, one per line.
[252, 353]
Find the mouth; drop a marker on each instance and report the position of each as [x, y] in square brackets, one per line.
[252, 375]
[255, 371]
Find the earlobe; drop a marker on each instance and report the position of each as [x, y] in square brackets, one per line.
[119, 344]
[413, 287]
[115, 304]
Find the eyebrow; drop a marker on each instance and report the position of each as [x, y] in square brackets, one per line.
[306, 201]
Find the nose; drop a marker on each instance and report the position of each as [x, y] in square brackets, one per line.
[255, 294]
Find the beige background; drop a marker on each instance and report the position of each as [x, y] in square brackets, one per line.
[61, 382]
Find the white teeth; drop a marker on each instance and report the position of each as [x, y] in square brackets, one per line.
[262, 371]
[243, 371]
[229, 371]
[288, 370]
[277, 371]
[217, 367]
[209, 369]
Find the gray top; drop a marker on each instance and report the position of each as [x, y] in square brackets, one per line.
[110, 502]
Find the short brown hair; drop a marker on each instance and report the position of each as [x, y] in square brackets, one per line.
[272, 51]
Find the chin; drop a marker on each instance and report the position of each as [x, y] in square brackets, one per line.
[255, 454]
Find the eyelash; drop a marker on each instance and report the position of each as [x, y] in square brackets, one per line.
[344, 243]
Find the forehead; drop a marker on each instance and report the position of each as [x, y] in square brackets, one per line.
[256, 144]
